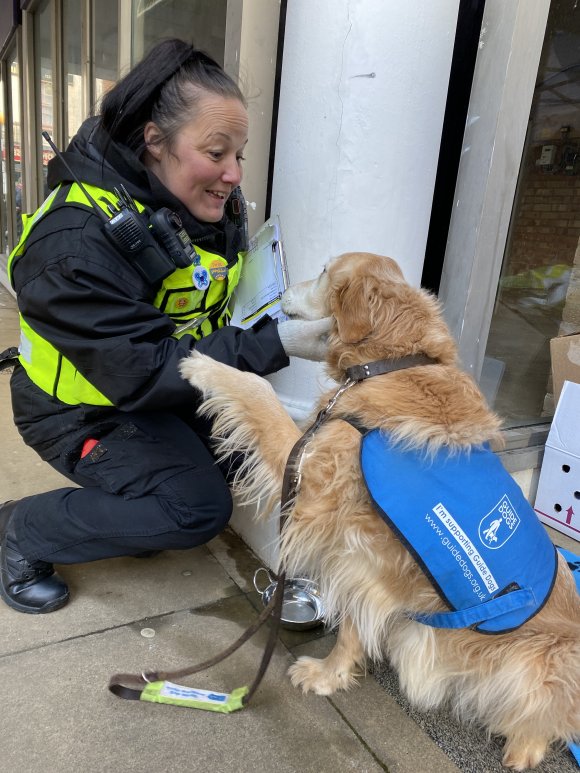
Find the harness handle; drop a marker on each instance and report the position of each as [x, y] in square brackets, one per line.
[481, 613]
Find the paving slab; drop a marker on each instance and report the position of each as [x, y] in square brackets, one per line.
[396, 740]
[106, 594]
[236, 559]
[57, 714]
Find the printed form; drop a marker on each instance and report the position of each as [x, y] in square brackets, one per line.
[264, 277]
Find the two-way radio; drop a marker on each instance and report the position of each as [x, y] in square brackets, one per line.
[155, 243]
[237, 212]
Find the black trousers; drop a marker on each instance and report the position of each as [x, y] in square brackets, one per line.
[150, 484]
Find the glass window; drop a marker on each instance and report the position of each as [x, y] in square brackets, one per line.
[3, 175]
[196, 21]
[539, 290]
[73, 77]
[106, 45]
[44, 78]
[15, 150]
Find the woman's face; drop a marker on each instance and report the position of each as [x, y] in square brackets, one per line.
[204, 163]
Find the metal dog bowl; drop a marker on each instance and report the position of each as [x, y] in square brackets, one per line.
[302, 606]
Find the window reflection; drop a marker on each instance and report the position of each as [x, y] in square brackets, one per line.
[539, 289]
[3, 175]
[196, 21]
[44, 81]
[106, 43]
[73, 80]
[15, 151]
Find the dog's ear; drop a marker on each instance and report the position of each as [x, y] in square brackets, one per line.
[351, 307]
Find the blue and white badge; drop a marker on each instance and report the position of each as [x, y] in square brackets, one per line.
[499, 524]
[200, 278]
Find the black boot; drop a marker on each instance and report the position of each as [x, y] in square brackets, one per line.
[32, 587]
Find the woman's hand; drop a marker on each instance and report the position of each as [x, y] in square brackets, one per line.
[305, 338]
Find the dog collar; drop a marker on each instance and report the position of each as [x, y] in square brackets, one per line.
[354, 374]
[379, 367]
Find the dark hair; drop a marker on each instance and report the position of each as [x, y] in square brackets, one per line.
[164, 87]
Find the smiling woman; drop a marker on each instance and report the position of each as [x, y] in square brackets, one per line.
[104, 326]
[202, 163]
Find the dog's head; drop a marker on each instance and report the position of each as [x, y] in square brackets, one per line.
[378, 314]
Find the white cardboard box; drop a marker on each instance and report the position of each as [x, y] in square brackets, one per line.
[558, 497]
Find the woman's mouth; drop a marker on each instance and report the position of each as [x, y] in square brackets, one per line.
[218, 195]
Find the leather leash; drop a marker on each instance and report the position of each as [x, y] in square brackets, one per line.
[150, 685]
[131, 686]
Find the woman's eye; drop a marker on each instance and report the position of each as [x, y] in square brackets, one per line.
[241, 158]
[215, 154]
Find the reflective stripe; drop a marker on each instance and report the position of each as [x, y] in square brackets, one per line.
[194, 312]
[75, 195]
[28, 222]
[53, 373]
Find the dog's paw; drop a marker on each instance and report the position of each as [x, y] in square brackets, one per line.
[203, 372]
[523, 755]
[314, 675]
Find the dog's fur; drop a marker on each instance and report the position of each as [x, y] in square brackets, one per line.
[523, 685]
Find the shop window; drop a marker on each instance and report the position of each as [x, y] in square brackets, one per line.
[106, 46]
[196, 21]
[14, 151]
[539, 289]
[74, 86]
[45, 80]
[3, 173]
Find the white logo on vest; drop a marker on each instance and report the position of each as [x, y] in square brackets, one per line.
[499, 524]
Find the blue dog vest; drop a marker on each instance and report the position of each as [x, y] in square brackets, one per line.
[468, 525]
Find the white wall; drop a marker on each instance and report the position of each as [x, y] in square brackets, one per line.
[356, 156]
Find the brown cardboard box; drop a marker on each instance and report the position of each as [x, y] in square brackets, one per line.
[565, 354]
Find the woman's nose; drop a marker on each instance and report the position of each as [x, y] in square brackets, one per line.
[232, 172]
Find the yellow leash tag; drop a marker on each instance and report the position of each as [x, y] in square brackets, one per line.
[190, 697]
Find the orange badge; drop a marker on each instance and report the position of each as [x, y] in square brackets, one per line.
[218, 270]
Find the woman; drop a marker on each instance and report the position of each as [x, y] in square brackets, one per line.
[97, 393]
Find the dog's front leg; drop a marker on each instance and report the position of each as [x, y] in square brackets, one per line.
[247, 418]
[338, 671]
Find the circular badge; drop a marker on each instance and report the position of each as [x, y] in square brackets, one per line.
[218, 270]
[200, 278]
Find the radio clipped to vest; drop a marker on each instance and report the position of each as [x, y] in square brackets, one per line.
[155, 243]
[237, 212]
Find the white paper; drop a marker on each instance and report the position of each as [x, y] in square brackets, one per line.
[264, 277]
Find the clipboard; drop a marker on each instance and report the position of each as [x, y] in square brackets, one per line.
[264, 277]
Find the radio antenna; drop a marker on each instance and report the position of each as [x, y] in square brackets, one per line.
[91, 200]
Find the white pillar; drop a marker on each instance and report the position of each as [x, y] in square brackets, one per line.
[363, 91]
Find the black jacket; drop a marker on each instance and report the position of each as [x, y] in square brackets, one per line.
[79, 293]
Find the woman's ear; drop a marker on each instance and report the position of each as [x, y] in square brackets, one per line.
[152, 136]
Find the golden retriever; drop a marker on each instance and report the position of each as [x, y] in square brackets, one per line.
[523, 685]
